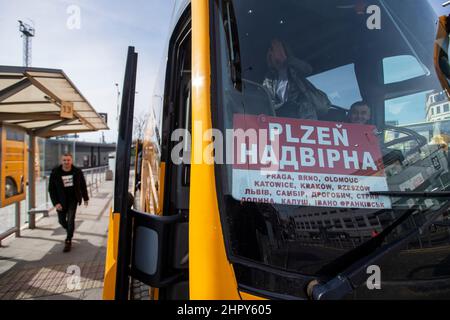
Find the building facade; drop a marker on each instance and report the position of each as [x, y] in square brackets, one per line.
[438, 106]
[86, 154]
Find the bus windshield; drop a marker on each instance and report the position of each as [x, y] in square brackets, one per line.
[330, 103]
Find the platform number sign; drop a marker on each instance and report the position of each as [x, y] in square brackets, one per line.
[67, 110]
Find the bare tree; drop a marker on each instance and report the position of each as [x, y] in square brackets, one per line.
[140, 122]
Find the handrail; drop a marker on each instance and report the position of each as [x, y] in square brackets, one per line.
[98, 172]
[95, 169]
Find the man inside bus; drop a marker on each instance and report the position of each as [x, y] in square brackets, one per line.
[292, 94]
[359, 113]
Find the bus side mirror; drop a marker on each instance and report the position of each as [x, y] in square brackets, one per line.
[150, 256]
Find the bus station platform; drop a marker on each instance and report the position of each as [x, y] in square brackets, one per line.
[34, 267]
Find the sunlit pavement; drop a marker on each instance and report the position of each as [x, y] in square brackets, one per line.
[35, 267]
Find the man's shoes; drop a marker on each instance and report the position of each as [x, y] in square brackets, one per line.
[67, 246]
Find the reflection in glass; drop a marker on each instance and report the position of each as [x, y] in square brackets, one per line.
[326, 59]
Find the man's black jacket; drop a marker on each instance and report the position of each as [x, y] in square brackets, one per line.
[56, 187]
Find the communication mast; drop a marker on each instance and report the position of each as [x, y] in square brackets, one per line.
[28, 33]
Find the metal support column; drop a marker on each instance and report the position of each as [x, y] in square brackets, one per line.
[18, 219]
[74, 153]
[32, 181]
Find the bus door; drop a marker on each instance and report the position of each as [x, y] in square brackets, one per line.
[119, 252]
[170, 273]
[153, 249]
[160, 256]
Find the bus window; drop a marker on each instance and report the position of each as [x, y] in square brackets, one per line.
[401, 68]
[179, 168]
[408, 109]
[285, 75]
[13, 155]
[14, 135]
[340, 84]
[176, 155]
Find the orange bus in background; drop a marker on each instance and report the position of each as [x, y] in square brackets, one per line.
[13, 165]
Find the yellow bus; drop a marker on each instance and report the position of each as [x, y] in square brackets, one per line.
[290, 155]
[13, 170]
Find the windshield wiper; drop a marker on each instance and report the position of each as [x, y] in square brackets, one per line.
[233, 42]
[412, 194]
[355, 273]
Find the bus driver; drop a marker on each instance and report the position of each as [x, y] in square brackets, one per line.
[292, 94]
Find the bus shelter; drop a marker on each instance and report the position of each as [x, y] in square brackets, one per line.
[41, 103]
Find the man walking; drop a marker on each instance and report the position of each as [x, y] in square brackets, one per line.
[67, 189]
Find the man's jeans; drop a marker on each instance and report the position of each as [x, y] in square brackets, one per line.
[67, 219]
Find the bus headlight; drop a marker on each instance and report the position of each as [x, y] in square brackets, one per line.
[10, 187]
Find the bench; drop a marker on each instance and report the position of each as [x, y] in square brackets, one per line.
[32, 215]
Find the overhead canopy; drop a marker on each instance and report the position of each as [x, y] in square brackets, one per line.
[45, 103]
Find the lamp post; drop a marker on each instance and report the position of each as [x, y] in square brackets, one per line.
[118, 101]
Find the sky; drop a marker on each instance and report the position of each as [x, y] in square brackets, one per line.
[94, 55]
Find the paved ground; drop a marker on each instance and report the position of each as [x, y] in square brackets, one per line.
[34, 266]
